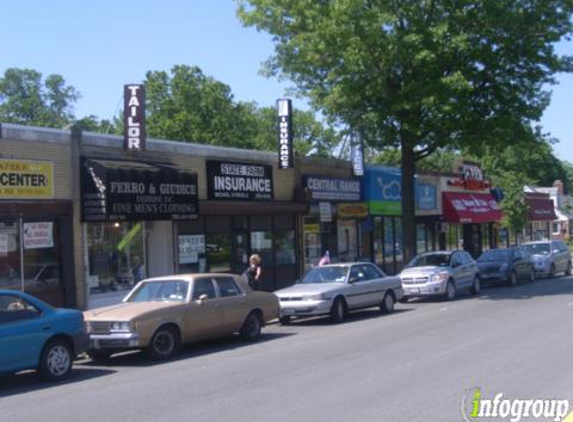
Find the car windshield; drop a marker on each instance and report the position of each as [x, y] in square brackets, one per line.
[160, 291]
[335, 274]
[537, 248]
[430, 260]
[495, 255]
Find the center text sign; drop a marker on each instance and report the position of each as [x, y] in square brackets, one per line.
[332, 189]
[239, 181]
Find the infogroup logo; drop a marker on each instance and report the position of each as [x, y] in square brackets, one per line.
[474, 407]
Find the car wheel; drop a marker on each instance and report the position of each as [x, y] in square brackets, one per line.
[164, 344]
[568, 271]
[450, 291]
[552, 271]
[56, 360]
[285, 320]
[513, 279]
[338, 311]
[476, 286]
[388, 302]
[251, 328]
[99, 356]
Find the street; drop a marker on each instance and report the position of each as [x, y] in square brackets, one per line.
[413, 365]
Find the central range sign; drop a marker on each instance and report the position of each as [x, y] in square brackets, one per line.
[239, 181]
[130, 191]
[332, 189]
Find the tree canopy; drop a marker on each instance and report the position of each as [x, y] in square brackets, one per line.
[419, 74]
[26, 98]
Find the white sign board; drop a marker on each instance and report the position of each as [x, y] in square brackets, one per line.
[38, 235]
[190, 246]
[325, 210]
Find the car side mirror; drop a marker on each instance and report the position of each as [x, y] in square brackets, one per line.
[455, 264]
[353, 280]
[203, 298]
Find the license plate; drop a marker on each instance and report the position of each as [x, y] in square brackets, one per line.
[414, 291]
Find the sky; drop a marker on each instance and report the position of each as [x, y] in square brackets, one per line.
[99, 46]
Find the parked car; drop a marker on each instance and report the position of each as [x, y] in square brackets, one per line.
[336, 289]
[505, 266]
[159, 314]
[33, 335]
[549, 257]
[440, 273]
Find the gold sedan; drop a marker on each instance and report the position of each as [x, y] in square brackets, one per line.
[162, 313]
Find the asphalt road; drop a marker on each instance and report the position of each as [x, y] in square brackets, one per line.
[413, 365]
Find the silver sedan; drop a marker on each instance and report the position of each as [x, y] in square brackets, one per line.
[338, 288]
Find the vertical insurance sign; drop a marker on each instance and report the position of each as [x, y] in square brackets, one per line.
[134, 135]
[286, 152]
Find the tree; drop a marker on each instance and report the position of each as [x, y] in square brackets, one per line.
[26, 99]
[418, 74]
[190, 106]
[513, 205]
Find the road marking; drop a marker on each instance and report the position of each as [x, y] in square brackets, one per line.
[568, 418]
[445, 308]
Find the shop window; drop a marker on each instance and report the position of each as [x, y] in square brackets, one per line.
[312, 242]
[115, 252]
[284, 222]
[398, 244]
[284, 248]
[421, 238]
[240, 222]
[347, 240]
[218, 251]
[261, 222]
[10, 256]
[556, 229]
[262, 244]
[389, 245]
[378, 241]
[217, 224]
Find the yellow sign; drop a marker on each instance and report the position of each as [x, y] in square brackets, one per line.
[311, 228]
[356, 210]
[24, 179]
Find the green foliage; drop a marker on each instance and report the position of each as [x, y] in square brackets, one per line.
[187, 105]
[419, 74]
[515, 210]
[27, 99]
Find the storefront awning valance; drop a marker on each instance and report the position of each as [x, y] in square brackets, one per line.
[540, 209]
[115, 190]
[464, 208]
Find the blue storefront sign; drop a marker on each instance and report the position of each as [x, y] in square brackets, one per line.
[383, 192]
[426, 195]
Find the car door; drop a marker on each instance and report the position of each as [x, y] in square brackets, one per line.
[521, 264]
[358, 289]
[23, 331]
[234, 303]
[205, 316]
[459, 270]
[563, 255]
[377, 284]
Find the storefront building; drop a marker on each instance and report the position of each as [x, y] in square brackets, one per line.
[383, 194]
[471, 212]
[183, 208]
[541, 216]
[36, 215]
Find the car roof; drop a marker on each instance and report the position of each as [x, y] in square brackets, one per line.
[537, 242]
[343, 264]
[187, 277]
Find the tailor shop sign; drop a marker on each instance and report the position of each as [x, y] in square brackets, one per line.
[332, 189]
[112, 191]
[239, 181]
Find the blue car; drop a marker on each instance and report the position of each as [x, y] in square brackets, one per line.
[34, 335]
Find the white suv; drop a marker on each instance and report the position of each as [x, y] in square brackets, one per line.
[549, 257]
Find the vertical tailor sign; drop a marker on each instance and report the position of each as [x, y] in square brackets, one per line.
[286, 153]
[134, 133]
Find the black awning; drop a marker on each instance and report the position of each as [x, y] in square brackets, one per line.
[115, 190]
